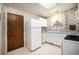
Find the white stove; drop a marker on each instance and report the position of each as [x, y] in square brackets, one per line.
[71, 45]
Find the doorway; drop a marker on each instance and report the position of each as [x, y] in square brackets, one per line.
[15, 31]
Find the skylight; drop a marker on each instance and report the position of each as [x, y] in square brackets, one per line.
[48, 5]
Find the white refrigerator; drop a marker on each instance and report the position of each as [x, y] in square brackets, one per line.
[33, 34]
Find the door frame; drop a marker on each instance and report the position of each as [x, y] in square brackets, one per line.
[5, 31]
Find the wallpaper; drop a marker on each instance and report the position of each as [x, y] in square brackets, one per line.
[0, 28]
[71, 19]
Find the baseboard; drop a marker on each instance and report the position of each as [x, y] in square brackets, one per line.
[44, 42]
[53, 44]
[35, 49]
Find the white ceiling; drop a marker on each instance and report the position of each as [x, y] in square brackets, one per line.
[37, 9]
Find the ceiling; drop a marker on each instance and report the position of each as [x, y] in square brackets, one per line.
[37, 9]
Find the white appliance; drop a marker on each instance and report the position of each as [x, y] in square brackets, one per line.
[71, 46]
[33, 34]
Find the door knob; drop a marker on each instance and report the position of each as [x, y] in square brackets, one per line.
[8, 33]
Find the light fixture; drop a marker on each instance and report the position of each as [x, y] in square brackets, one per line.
[48, 5]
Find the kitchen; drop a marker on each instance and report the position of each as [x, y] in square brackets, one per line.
[52, 26]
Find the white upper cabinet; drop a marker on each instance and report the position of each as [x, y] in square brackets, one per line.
[43, 22]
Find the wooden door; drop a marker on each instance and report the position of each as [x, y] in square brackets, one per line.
[15, 31]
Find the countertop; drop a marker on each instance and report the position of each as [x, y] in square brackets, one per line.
[62, 31]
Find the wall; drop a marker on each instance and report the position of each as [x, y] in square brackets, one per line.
[71, 19]
[68, 17]
[0, 28]
[0, 7]
[26, 15]
[52, 20]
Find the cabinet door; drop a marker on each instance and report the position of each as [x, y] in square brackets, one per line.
[51, 38]
[55, 38]
[59, 39]
[44, 37]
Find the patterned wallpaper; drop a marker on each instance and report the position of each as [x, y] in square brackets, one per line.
[70, 17]
[0, 28]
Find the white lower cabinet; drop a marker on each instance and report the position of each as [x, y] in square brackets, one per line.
[43, 37]
[54, 38]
